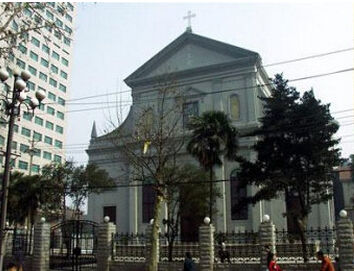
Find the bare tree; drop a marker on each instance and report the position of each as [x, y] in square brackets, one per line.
[153, 145]
[19, 19]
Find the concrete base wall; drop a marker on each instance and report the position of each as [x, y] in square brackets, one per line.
[166, 266]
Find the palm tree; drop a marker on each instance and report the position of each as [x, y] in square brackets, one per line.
[212, 136]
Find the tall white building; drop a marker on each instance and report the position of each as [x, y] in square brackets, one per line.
[39, 139]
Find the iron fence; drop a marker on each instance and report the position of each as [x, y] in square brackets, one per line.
[128, 247]
[237, 247]
[19, 242]
[230, 247]
[290, 248]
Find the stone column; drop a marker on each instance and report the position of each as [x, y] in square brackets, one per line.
[41, 243]
[104, 244]
[345, 240]
[266, 240]
[206, 246]
[148, 244]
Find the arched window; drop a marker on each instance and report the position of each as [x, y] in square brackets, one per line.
[148, 118]
[234, 107]
[149, 195]
[237, 195]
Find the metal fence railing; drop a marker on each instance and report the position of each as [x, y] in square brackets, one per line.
[290, 248]
[237, 247]
[19, 242]
[128, 247]
[231, 247]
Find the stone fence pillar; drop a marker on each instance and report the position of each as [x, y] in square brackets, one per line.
[206, 246]
[148, 244]
[41, 242]
[104, 244]
[267, 240]
[345, 239]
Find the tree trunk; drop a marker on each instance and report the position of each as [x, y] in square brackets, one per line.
[301, 224]
[152, 264]
[64, 209]
[211, 194]
[170, 249]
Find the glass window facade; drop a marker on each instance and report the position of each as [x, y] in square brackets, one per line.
[53, 82]
[58, 144]
[26, 132]
[22, 165]
[44, 62]
[62, 88]
[32, 70]
[37, 136]
[20, 63]
[35, 168]
[48, 140]
[45, 49]
[55, 55]
[47, 155]
[60, 115]
[61, 101]
[38, 120]
[64, 74]
[54, 69]
[52, 96]
[35, 42]
[24, 148]
[65, 61]
[34, 56]
[49, 125]
[50, 110]
[43, 76]
[59, 129]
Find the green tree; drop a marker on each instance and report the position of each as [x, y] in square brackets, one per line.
[67, 180]
[212, 136]
[27, 194]
[296, 153]
[57, 177]
[85, 180]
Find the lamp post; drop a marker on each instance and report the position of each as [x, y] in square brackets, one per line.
[13, 100]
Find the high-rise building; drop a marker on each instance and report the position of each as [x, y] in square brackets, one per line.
[39, 139]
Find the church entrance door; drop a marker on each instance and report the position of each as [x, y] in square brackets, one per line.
[73, 245]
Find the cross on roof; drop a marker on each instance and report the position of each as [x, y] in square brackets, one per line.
[189, 17]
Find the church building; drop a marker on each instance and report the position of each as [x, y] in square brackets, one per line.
[223, 77]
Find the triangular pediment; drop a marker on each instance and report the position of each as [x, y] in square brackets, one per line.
[191, 91]
[190, 56]
[189, 52]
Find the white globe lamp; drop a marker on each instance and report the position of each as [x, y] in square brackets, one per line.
[266, 218]
[343, 214]
[206, 220]
[4, 75]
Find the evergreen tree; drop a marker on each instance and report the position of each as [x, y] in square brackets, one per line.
[296, 153]
[212, 136]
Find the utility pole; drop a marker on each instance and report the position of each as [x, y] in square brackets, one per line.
[31, 152]
[13, 104]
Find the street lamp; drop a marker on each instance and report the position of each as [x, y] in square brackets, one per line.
[13, 100]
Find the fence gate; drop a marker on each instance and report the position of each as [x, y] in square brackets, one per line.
[73, 245]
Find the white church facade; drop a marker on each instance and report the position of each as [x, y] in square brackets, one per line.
[225, 78]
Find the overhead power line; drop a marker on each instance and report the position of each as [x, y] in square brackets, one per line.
[210, 93]
[309, 57]
[266, 65]
[181, 183]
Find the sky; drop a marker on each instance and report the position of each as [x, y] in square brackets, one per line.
[112, 40]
